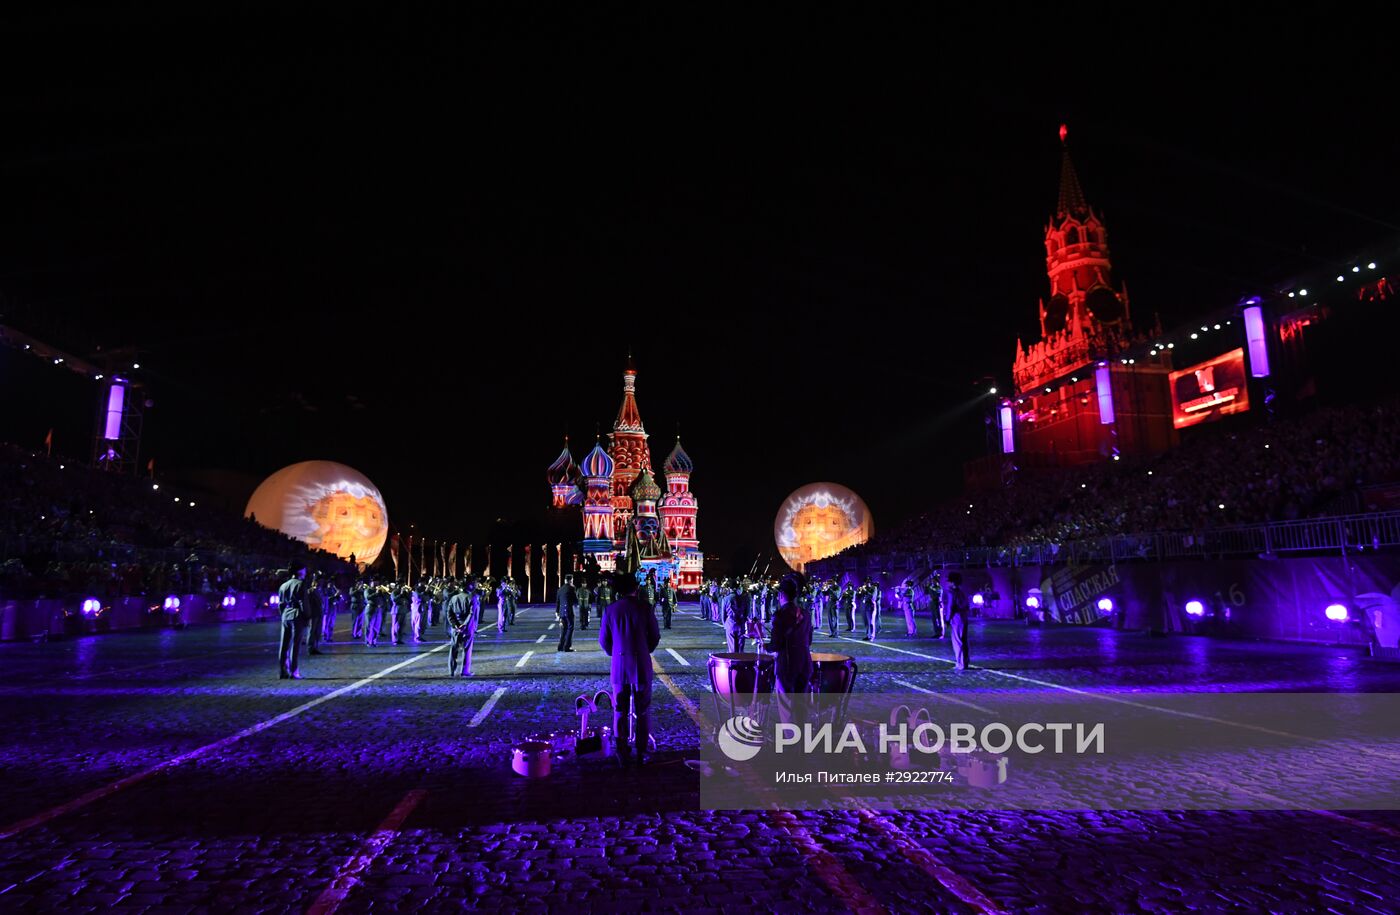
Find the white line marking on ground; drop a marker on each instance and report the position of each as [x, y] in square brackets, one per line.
[541, 639]
[523, 658]
[946, 697]
[348, 877]
[486, 709]
[675, 654]
[98, 794]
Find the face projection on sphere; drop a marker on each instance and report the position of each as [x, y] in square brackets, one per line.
[327, 506]
[820, 520]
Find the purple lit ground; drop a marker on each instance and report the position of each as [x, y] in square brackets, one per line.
[269, 822]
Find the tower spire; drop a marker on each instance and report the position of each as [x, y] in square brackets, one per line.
[1072, 201]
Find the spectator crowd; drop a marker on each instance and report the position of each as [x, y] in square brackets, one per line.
[66, 529]
[1310, 466]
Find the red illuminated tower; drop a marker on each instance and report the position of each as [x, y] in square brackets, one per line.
[678, 509]
[1076, 399]
[628, 446]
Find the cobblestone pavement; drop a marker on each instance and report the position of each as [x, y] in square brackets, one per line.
[172, 772]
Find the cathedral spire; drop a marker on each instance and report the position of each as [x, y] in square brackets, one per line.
[1072, 201]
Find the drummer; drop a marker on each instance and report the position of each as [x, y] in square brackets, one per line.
[791, 641]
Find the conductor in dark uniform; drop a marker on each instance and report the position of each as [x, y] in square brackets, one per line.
[461, 630]
[628, 634]
[564, 603]
[791, 642]
[291, 598]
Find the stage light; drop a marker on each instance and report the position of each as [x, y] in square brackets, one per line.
[1302, 292]
[230, 601]
[978, 600]
[1292, 294]
[177, 498]
[61, 466]
[1355, 269]
[172, 603]
[97, 377]
[1337, 613]
[1074, 378]
[1258, 345]
[58, 361]
[1118, 457]
[1047, 389]
[1195, 608]
[1106, 604]
[191, 505]
[1371, 265]
[92, 606]
[1194, 336]
[1132, 362]
[1204, 328]
[1083, 485]
[1340, 278]
[136, 365]
[1171, 346]
[1217, 327]
[991, 390]
[1033, 602]
[1221, 506]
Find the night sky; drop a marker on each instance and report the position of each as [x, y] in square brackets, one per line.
[423, 247]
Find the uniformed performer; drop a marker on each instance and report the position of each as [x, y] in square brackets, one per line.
[906, 597]
[706, 589]
[735, 619]
[668, 602]
[604, 595]
[564, 603]
[955, 613]
[846, 603]
[461, 630]
[792, 643]
[503, 593]
[335, 602]
[585, 603]
[379, 604]
[315, 613]
[359, 605]
[866, 600]
[290, 600]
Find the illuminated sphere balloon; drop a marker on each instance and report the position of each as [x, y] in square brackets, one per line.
[326, 506]
[820, 520]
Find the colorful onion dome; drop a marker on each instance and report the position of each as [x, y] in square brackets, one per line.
[678, 461]
[645, 488]
[598, 463]
[563, 470]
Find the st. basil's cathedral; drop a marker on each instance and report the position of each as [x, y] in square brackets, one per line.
[628, 522]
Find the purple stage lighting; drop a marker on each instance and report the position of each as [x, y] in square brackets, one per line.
[1195, 608]
[1337, 613]
[92, 606]
[116, 397]
[274, 601]
[1258, 345]
[1033, 602]
[1008, 433]
[172, 603]
[1106, 604]
[1103, 383]
[978, 600]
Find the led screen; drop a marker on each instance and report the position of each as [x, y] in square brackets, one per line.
[1209, 390]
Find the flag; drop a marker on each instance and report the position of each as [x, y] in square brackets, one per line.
[467, 561]
[48, 442]
[559, 563]
[394, 554]
[409, 563]
[151, 467]
[510, 560]
[488, 560]
[544, 571]
[529, 577]
[452, 562]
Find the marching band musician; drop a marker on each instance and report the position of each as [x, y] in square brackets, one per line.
[290, 599]
[668, 602]
[846, 603]
[585, 603]
[505, 598]
[564, 602]
[605, 594]
[735, 618]
[359, 605]
[906, 597]
[867, 600]
[379, 603]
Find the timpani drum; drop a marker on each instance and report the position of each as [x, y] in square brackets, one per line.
[741, 681]
[833, 681]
